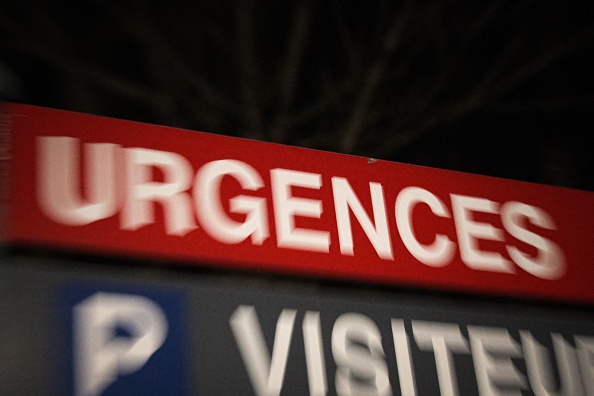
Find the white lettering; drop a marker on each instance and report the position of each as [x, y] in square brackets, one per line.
[67, 198]
[585, 348]
[403, 359]
[442, 250]
[58, 180]
[345, 198]
[99, 356]
[359, 356]
[470, 231]
[443, 339]
[211, 213]
[267, 375]
[540, 372]
[549, 263]
[286, 207]
[177, 172]
[314, 354]
[492, 350]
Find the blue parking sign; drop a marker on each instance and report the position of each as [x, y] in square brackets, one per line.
[122, 340]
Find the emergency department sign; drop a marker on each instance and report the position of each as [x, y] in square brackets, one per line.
[103, 185]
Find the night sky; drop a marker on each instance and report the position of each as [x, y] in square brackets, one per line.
[494, 88]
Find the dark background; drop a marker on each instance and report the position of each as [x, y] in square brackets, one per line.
[501, 88]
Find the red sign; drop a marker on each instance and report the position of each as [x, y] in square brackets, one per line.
[119, 187]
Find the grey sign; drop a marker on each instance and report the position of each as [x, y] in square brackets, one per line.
[71, 328]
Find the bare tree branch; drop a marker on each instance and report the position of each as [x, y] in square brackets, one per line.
[161, 51]
[86, 71]
[540, 62]
[369, 79]
[372, 79]
[248, 68]
[290, 68]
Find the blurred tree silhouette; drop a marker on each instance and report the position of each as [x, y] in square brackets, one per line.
[499, 87]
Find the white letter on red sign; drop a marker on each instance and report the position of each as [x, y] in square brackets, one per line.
[470, 231]
[549, 263]
[207, 201]
[58, 180]
[441, 251]
[177, 172]
[379, 235]
[286, 207]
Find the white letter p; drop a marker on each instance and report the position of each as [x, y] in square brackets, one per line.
[100, 355]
